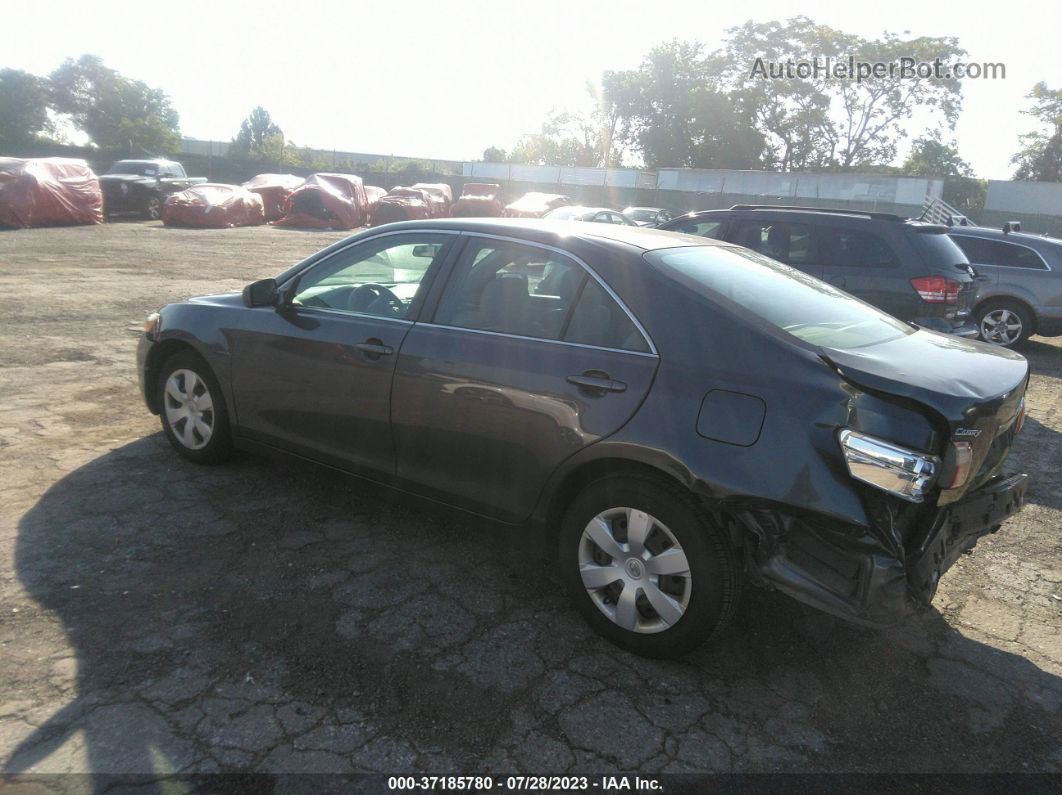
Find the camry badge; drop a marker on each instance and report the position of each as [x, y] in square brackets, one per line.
[968, 432]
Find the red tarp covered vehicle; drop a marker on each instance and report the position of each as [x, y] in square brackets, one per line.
[324, 201]
[478, 200]
[373, 194]
[48, 190]
[213, 205]
[535, 205]
[441, 197]
[403, 204]
[274, 190]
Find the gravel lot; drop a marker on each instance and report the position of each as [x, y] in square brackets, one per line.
[274, 616]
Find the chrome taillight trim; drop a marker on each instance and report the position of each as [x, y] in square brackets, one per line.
[906, 473]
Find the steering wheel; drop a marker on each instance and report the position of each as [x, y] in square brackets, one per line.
[375, 298]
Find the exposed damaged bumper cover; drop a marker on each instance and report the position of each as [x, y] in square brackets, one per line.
[874, 575]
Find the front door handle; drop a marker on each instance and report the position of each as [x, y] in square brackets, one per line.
[374, 348]
[597, 383]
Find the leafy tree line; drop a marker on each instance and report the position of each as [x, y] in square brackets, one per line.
[117, 113]
[684, 106]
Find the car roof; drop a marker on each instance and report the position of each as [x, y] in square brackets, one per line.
[582, 208]
[835, 215]
[992, 233]
[545, 230]
[144, 160]
[649, 209]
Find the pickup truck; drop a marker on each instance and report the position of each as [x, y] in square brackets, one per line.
[141, 186]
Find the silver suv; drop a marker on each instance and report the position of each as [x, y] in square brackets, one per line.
[1019, 285]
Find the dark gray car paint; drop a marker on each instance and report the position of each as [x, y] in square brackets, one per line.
[488, 422]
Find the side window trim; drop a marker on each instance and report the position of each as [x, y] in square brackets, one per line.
[442, 283]
[291, 285]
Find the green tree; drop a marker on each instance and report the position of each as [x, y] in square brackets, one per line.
[932, 157]
[671, 111]
[23, 108]
[1040, 157]
[116, 112]
[493, 154]
[259, 138]
[824, 121]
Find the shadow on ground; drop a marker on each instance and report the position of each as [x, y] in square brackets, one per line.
[273, 616]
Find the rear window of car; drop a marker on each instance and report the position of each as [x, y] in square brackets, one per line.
[937, 249]
[792, 301]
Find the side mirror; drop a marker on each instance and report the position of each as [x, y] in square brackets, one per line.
[260, 293]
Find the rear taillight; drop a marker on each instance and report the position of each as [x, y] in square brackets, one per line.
[937, 289]
[1020, 419]
[963, 456]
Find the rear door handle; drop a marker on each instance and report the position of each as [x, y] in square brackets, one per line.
[374, 348]
[597, 383]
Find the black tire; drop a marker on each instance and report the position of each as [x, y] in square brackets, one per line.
[218, 446]
[715, 573]
[153, 208]
[995, 308]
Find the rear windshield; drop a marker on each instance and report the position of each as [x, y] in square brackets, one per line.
[788, 299]
[938, 249]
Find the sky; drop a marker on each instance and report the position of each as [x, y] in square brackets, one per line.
[448, 79]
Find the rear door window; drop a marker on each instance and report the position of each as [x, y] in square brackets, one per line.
[510, 288]
[995, 252]
[598, 320]
[853, 248]
[780, 240]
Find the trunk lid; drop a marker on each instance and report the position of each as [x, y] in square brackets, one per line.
[974, 389]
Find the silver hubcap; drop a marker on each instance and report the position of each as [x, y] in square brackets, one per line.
[189, 409]
[634, 570]
[1001, 326]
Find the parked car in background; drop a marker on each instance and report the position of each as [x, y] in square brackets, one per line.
[215, 206]
[141, 186]
[910, 269]
[672, 415]
[478, 200]
[48, 190]
[274, 190]
[599, 215]
[327, 201]
[648, 216]
[405, 204]
[535, 205]
[1019, 292]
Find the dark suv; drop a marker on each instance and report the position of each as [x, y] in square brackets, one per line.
[912, 270]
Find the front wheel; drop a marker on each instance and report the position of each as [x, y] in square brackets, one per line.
[1004, 323]
[647, 566]
[153, 208]
[192, 409]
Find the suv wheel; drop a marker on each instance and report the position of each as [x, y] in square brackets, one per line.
[647, 567]
[192, 409]
[1005, 323]
[153, 208]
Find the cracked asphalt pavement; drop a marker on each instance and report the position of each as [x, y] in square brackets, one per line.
[159, 617]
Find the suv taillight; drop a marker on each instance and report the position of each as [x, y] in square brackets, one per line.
[937, 289]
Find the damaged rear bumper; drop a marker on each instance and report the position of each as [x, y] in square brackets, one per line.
[873, 575]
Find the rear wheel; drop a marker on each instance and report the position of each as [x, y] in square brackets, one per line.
[1004, 323]
[192, 409]
[647, 567]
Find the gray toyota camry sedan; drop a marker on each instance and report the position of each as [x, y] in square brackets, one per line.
[673, 417]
